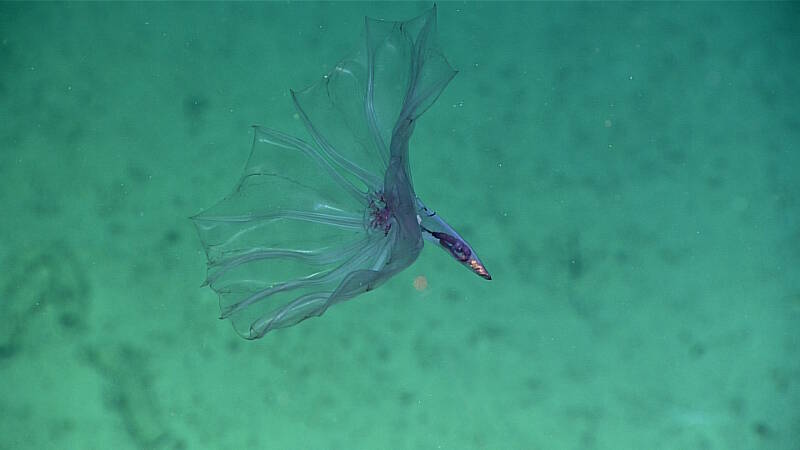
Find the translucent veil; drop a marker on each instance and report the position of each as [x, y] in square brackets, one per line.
[297, 233]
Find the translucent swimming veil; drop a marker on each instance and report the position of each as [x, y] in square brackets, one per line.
[315, 222]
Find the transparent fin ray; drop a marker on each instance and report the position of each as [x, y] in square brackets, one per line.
[314, 223]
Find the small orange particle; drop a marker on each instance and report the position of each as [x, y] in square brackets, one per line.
[420, 283]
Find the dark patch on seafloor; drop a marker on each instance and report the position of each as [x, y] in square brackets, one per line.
[44, 287]
[129, 395]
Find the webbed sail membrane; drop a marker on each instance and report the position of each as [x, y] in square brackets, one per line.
[308, 224]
